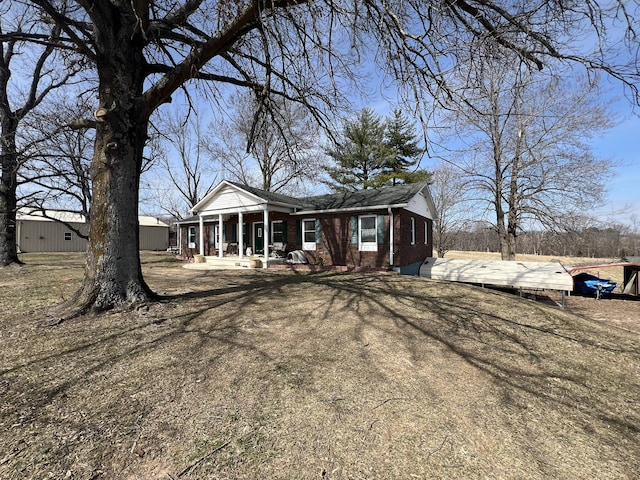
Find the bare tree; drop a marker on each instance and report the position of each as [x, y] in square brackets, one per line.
[55, 173]
[36, 68]
[144, 51]
[527, 156]
[185, 173]
[270, 148]
[448, 193]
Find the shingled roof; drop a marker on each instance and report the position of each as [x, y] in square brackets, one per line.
[268, 196]
[395, 196]
[398, 195]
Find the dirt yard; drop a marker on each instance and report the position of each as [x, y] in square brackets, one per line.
[254, 374]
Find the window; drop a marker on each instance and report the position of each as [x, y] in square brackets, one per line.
[67, 236]
[413, 231]
[309, 234]
[426, 232]
[231, 232]
[191, 237]
[277, 232]
[368, 233]
[214, 234]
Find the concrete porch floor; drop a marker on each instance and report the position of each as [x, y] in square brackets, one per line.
[232, 262]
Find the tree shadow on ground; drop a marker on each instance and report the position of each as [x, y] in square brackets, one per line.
[130, 365]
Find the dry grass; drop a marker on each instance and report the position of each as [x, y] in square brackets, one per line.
[256, 374]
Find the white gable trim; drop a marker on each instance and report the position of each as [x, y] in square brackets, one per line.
[212, 203]
[227, 198]
[422, 204]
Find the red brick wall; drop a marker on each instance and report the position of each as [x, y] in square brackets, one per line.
[336, 247]
[405, 252]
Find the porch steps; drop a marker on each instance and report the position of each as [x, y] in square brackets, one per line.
[233, 262]
[217, 263]
[227, 262]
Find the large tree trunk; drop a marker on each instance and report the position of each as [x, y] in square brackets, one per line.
[8, 185]
[506, 235]
[508, 246]
[113, 273]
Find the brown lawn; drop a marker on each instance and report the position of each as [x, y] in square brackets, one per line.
[254, 374]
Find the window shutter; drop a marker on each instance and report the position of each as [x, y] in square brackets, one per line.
[299, 232]
[284, 232]
[354, 230]
[318, 231]
[380, 226]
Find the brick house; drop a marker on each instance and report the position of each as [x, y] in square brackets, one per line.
[388, 228]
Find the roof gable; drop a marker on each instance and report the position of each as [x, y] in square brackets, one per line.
[229, 195]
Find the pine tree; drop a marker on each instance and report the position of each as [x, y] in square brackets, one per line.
[400, 138]
[361, 156]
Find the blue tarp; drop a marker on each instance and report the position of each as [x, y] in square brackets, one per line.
[589, 284]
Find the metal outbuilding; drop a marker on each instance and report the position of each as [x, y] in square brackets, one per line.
[54, 232]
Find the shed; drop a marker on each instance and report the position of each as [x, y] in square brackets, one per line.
[631, 273]
[535, 275]
[630, 267]
[55, 231]
[154, 233]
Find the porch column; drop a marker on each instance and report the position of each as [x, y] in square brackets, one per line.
[219, 246]
[240, 235]
[201, 235]
[179, 239]
[265, 235]
[391, 239]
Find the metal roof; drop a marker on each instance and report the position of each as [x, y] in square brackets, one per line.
[26, 214]
[547, 275]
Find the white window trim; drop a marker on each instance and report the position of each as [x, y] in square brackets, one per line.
[192, 235]
[273, 230]
[426, 232]
[413, 231]
[368, 246]
[309, 245]
[214, 240]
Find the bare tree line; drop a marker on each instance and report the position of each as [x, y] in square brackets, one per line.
[613, 242]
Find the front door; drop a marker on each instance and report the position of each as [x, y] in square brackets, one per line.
[258, 237]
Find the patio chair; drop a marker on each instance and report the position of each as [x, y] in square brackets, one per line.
[279, 249]
[232, 248]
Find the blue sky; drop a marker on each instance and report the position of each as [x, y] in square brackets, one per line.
[622, 145]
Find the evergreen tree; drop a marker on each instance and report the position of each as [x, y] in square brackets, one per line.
[401, 140]
[362, 154]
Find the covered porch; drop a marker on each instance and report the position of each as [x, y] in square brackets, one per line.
[234, 227]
